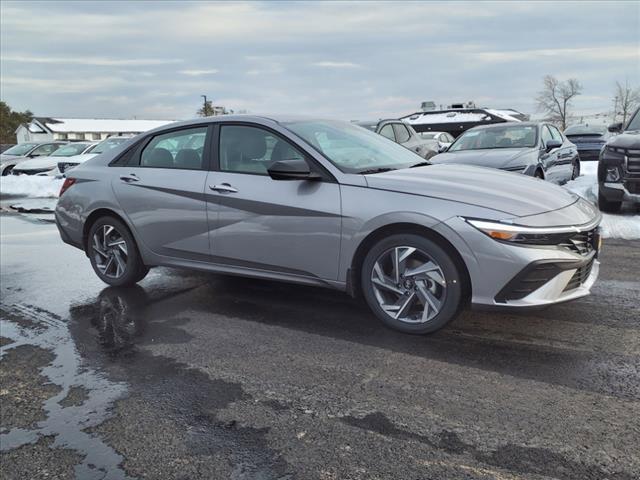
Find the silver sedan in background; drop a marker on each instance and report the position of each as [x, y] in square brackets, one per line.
[327, 203]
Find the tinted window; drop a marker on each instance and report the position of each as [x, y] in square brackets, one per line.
[387, 131]
[546, 135]
[586, 130]
[402, 134]
[70, 150]
[181, 149]
[246, 149]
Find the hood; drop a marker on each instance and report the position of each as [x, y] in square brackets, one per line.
[626, 140]
[16, 158]
[494, 158]
[40, 162]
[512, 193]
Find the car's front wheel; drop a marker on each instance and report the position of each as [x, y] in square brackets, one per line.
[113, 253]
[411, 283]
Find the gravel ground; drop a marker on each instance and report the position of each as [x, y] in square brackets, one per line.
[193, 376]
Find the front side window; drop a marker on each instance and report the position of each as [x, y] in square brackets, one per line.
[45, 149]
[353, 149]
[402, 134]
[180, 149]
[245, 149]
[387, 131]
[510, 136]
[546, 135]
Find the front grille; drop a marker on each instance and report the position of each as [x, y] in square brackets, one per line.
[633, 187]
[633, 161]
[582, 243]
[580, 276]
[30, 172]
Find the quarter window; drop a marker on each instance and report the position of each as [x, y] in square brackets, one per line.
[555, 133]
[245, 149]
[402, 134]
[182, 149]
[387, 131]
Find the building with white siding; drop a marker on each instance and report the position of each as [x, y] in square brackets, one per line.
[47, 128]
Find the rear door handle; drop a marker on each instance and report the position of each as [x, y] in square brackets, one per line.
[129, 178]
[224, 188]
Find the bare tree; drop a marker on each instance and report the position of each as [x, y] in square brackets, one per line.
[626, 100]
[555, 98]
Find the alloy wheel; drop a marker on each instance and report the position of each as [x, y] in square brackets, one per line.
[408, 284]
[110, 251]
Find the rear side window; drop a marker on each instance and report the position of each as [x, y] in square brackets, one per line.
[402, 134]
[387, 131]
[182, 149]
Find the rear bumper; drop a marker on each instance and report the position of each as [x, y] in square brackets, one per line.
[65, 236]
[589, 154]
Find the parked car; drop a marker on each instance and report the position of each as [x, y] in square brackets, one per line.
[25, 151]
[619, 166]
[589, 139]
[328, 203]
[49, 165]
[534, 149]
[402, 133]
[6, 146]
[442, 140]
[104, 146]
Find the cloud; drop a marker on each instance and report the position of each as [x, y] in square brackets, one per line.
[329, 64]
[612, 52]
[198, 73]
[95, 61]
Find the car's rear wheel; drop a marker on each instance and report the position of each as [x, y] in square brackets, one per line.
[606, 205]
[411, 283]
[114, 254]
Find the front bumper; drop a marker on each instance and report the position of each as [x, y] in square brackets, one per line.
[619, 192]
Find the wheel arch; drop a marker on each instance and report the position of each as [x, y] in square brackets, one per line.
[93, 217]
[353, 279]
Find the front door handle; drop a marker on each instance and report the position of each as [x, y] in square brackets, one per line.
[223, 188]
[129, 178]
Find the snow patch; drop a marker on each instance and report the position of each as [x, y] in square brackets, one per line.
[30, 186]
[622, 226]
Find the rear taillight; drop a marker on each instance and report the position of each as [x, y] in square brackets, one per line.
[66, 185]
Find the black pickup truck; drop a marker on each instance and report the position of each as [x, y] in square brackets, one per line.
[619, 166]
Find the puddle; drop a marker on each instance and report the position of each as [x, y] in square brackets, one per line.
[64, 423]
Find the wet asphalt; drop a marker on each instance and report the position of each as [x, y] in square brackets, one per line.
[197, 376]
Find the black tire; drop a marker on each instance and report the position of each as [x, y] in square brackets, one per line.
[134, 269]
[7, 170]
[575, 172]
[539, 174]
[607, 206]
[452, 301]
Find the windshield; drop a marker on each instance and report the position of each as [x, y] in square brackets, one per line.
[511, 136]
[353, 149]
[585, 130]
[21, 149]
[634, 124]
[70, 150]
[108, 144]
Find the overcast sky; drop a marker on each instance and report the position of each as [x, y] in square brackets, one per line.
[346, 60]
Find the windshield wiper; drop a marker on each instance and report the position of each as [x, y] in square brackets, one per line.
[376, 170]
[421, 164]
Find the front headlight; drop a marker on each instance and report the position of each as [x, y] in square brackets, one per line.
[613, 175]
[520, 234]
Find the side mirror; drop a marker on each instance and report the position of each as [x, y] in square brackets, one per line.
[443, 148]
[552, 144]
[291, 170]
[615, 127]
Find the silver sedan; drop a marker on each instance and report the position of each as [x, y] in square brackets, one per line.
[327, 203]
